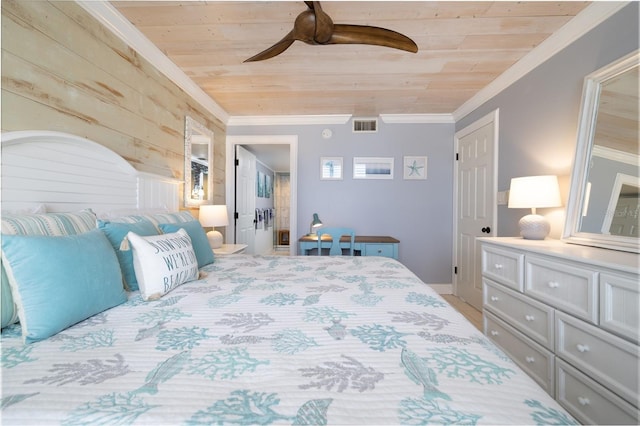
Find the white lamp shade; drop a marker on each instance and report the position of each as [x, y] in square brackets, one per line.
[534, 192]
[213, 215]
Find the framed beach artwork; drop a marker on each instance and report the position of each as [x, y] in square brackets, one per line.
[268, 187]
[415, 168]
[260, 184]
[331, 168]
[373, 168]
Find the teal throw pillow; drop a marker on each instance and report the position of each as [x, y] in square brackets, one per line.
[116, 232]
[60, 281]
[71, 223]
[8, 310]
[199, 239]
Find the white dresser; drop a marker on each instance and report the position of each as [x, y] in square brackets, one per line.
[569, 316]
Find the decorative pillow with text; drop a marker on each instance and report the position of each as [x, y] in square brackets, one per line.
[162, 262]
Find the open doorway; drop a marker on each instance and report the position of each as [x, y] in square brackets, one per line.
[270, 151]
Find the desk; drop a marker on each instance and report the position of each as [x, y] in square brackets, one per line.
[364, 245]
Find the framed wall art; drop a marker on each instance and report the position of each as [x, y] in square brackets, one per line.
[373, 167]
[268, 187]
[331, 168]
[260, 184]
[415, 168]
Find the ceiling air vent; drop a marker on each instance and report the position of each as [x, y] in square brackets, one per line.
[365, 125]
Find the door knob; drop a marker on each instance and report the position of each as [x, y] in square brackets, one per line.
[486, 230]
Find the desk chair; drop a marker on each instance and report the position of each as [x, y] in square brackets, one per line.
[336, 234]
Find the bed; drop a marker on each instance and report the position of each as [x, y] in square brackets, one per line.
[262, 340]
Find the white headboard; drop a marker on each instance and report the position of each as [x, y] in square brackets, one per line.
[67, 173]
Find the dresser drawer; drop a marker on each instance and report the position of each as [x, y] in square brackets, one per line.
[610, 360]
[619, 302]
[588, 401]
[563, 285]
[503, 266]
[531, 317]
[385, 250]
[535, 360]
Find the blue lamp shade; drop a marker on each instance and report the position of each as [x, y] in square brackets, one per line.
[315, 223]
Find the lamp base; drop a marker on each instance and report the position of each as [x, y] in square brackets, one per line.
[534, 227]
[215, 239]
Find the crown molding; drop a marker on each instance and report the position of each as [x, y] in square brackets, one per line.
[417, 118]
[275, 120]
[108, 16]
[583, 22]
[615, 155]
[586, 20]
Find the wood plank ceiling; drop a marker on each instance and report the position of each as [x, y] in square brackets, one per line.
[463, 46]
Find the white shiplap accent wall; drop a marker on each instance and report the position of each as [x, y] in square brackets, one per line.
[67, 173]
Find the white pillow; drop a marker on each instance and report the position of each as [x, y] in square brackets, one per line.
[162, 262]
[113, 215]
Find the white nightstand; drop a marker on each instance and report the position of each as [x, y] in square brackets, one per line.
[230, 249]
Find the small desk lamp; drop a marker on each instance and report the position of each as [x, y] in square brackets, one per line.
[534, 192]
[315, 223]
[214, 216]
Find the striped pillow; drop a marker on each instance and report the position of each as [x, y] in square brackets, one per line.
[47, 224]
[158, 218]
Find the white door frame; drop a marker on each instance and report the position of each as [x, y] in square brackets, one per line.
[491, 117]
[230, 180]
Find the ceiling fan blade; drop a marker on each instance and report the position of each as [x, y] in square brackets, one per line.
[274, 50]
[324, 24]
[363, 34]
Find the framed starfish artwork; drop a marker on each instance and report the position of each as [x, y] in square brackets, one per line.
[415, 168]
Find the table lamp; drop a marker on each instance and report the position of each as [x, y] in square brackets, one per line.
[315, 223]
[534, 192]
[214, 216]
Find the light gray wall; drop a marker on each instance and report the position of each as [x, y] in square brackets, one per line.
[538, 124]
[539, 113]
[416, 212]
[602, 175]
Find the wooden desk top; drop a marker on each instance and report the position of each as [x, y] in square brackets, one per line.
[359, 239]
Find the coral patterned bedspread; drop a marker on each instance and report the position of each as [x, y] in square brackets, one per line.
[274, 340]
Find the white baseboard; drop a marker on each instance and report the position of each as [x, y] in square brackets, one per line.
[442, 288]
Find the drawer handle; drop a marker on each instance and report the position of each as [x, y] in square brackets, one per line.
[582, 348]
[530, 359]
[494, 298]
[553, 284]
[498, 266]
[494, 333]
[529, 317]
[583, 400]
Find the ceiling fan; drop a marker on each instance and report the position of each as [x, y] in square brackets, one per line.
[314, 26]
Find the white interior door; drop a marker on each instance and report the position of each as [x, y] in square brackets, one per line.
[476, 203]
[245, 198]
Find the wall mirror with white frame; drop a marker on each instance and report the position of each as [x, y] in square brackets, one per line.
[198, 161]
[603, 209]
